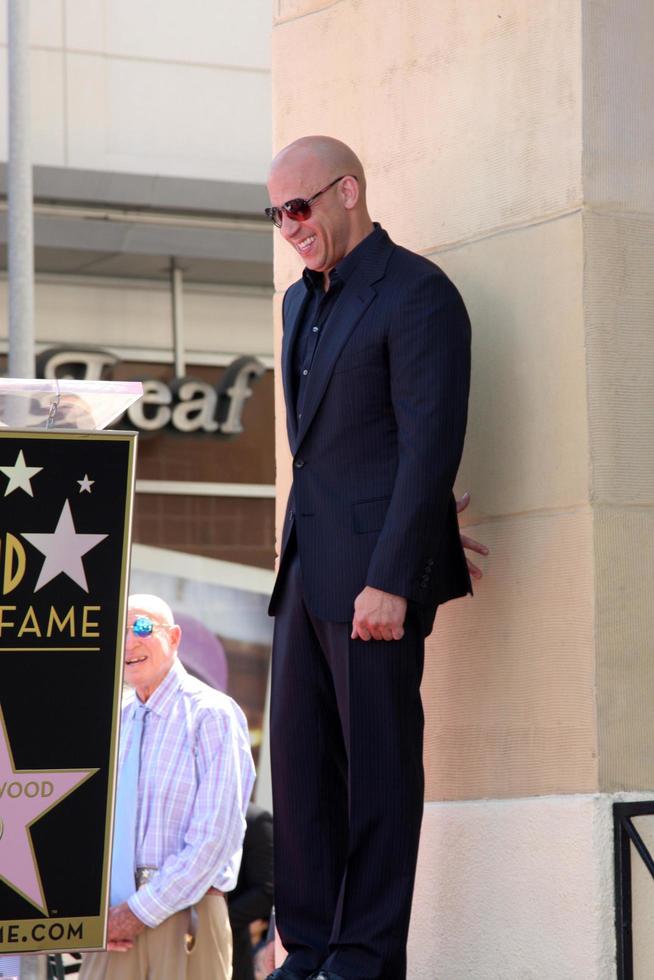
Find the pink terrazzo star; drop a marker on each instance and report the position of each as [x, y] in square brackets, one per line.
[25, 796]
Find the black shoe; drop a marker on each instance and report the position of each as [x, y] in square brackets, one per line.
[286, 974]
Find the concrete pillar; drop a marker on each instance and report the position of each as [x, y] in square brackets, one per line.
[511, 143]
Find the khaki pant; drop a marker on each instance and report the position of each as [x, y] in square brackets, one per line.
[160, 954]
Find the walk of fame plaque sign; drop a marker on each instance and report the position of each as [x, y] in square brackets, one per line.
[65, 517]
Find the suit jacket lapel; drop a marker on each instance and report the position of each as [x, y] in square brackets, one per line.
[357, 295]
[295, 304]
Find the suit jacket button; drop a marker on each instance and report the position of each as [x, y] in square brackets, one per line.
[298, 463]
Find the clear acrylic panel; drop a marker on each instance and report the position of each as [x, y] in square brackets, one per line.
[64, 404]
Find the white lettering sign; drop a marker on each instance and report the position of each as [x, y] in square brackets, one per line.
[184, 404]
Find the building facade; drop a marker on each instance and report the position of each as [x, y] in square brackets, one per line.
[153, 261]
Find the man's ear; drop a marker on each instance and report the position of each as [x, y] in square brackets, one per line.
[350, 191]
[175, 636]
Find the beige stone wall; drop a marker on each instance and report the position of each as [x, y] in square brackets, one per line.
[512, 144]
[468, 119]
[463, 124]
[517, 890]
[509, 685]
[619, 316]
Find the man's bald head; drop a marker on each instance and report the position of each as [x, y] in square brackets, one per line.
[154, 606]
[321, 152]
[327, 175]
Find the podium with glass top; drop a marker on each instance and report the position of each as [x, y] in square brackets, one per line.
[66, 496]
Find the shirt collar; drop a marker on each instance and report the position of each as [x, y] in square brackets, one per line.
[160, 700]
[343, 271]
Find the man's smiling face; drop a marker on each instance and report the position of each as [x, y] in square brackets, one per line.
[323, 239]
[149, 658]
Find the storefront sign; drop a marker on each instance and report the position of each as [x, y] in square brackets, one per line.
[183, 404]
[65, 501]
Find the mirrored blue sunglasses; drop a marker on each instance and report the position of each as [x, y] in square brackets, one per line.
[144, 626]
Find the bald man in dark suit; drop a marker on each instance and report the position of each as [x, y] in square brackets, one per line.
[376, 368]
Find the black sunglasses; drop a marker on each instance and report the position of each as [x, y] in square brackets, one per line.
[298, 209]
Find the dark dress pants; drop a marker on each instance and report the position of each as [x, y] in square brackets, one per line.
[346, 743]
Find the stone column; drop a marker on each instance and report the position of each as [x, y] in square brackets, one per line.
[511, 144]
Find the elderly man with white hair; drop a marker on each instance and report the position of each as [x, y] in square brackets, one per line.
[184, 780]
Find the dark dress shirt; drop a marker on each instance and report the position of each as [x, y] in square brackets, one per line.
[317, 310]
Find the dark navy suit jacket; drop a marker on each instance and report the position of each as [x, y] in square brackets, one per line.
[377, 449]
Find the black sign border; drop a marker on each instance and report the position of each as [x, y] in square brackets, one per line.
[50, 934]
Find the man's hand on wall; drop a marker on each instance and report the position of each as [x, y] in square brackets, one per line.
[378, 615]
[469, 543]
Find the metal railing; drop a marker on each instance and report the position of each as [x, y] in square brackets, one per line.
[58, 970]
[626, 837]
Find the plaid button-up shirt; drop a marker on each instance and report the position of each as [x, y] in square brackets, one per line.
[196, 775]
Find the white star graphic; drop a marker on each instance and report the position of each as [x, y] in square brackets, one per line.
[85, 484]
[20, 475]
[63, 550]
